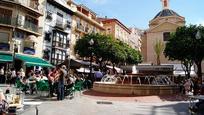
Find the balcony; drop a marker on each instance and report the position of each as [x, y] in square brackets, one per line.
[59, 24]
[31, 26]
[30, 4]
[7, 21]
[23, 25]
[80, 28]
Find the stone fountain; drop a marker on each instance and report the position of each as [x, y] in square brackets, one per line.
[143, 81]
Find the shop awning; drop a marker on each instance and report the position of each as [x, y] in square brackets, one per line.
[33, 61]
[74, 63]
[5, 57]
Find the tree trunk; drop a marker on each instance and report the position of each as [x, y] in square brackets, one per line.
[199, 71]
[158, 60]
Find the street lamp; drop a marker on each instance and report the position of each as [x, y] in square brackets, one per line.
[68, 58]
[198, 37]
[91, 43]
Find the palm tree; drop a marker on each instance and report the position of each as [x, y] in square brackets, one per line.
[158, 48]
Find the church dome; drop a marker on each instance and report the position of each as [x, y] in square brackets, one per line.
[166, 12]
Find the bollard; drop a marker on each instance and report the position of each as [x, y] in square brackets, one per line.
[36, 110]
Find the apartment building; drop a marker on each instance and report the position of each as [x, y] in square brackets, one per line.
[20, 30]
[116, 29]
[84, 21]
[135, 38]
[57, 31]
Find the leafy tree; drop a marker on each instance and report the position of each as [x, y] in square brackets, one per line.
[106, 49]
[184, 46]
[158, 48]
[199, 49]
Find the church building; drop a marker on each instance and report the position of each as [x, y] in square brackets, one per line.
[160, 27]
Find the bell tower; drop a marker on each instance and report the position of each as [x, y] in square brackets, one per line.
[165, 4]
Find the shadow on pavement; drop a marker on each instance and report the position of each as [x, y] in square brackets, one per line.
[161, 97]
[177, 109]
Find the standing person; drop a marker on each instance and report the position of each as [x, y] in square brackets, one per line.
[98, 75]
[22, 73]
[61, 81]
[13, 76]
[187, 86]
[51, 77]
[2, 77]
[8, 76]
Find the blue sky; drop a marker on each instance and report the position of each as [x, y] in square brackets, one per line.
[138, 13]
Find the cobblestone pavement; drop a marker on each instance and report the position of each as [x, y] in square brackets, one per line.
[88, 104]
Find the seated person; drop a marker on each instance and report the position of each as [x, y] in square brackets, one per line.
[70, 82]
[24, 83]
[32, 83]
[3, 104]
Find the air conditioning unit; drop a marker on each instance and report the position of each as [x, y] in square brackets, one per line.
[21, 20]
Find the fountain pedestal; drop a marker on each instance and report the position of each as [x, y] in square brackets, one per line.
[135, 89]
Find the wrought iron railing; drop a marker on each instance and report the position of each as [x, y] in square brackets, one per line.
[26, 24]
[33, 4]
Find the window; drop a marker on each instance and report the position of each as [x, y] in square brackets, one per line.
[5, 16]
[31, 23]
[58, 56]
[60, 39]
[166, 36]
[59, 18]
[49, 16]
[48, 36]
[19, 34]
[4, 39]
[46, 54]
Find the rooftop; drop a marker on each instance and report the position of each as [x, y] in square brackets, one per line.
[166, 12]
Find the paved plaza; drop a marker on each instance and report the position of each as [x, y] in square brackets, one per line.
[88, 104]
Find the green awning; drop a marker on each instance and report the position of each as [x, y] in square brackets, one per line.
[5, 57]
[33, 61]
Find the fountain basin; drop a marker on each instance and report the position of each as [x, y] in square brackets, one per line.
[135, 89]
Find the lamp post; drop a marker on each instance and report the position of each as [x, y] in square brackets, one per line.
[91, 43]
[198, 37]
[15, 48]
[68, 58]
